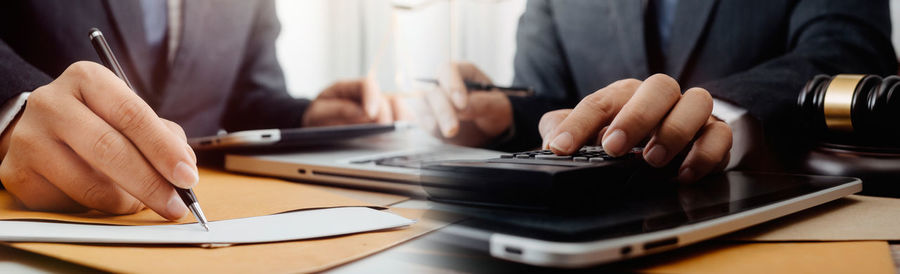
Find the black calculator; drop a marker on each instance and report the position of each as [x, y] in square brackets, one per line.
[537, 179]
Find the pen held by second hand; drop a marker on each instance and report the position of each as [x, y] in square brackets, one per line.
[474, 86]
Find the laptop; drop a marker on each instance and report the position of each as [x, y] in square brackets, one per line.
[388, 161]
[650, 218]
[280, 139]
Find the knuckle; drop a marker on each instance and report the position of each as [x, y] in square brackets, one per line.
[719, 125]
[724, 129]
[707, 156]
[22, 139]
[702, 97]
[109, 148]
[130, 114]
[550, 120]
[11, 175]
[627, 83]
[41, 99]
[106, 198]
[19, 183]
[152, 185]
[158, 143]
[98, 197]
[598, 104]
[666, 85]
[638, 119]
[678, 130]
[81, 69]
[701, 92]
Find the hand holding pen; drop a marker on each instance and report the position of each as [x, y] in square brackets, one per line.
[85, 141]
[183, 173]
[466, 108]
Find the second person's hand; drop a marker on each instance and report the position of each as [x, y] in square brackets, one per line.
[350, 102]
[466, 117]
[624, 113]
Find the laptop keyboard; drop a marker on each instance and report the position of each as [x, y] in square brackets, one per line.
[586, 155]
[413, 160]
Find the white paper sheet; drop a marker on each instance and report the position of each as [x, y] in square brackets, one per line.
[306, 224]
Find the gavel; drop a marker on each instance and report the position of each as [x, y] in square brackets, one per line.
[854, 107]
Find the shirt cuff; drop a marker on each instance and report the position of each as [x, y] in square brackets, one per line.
[11, 108]
[745, 130]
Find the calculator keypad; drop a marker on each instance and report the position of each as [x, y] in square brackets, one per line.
[587, 154]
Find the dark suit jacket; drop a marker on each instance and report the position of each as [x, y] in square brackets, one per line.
[225, 74]
[755, 54]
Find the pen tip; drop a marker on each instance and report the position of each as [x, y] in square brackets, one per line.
[205, 226]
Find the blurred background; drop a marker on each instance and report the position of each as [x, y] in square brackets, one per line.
[400, 40]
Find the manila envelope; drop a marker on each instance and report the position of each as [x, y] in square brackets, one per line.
[853, 218]
[227, 196]
[770, 258]
[221, 195]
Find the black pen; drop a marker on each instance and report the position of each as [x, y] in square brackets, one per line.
[109, 60]
[475, 86]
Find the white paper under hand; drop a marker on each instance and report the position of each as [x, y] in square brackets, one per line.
[306, 224]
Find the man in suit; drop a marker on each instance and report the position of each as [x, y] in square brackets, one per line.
[753, 57]
[87, 141]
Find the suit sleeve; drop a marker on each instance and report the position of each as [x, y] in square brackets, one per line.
[825, 37]
[261, 99]
[539, 63]
[17, 75]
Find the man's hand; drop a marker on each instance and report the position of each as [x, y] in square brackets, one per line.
[350, 102]
[86, 141]
[624, 113]
[463, 116]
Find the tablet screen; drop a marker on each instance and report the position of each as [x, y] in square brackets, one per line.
[648, 207]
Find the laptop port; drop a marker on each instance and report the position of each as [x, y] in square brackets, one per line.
[660, 243]
[513, 250]
[301, 170]
[625, 250]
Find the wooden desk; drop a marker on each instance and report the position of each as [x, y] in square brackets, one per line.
[427, 254]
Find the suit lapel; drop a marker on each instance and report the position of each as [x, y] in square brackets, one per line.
[689, 24]
[629, 20]
[127, 19]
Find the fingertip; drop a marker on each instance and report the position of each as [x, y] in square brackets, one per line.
[185, 175]
[450, 131]
[686, 175]
[614, 143]
[562, 143]
[656, 156]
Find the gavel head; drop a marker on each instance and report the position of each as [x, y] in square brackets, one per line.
[853, 107]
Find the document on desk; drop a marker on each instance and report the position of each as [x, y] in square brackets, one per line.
[297, 225]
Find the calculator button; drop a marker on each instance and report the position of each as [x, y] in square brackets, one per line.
[553, 157]
[596, 160]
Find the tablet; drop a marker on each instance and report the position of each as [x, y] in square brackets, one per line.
[648, 218]
[293, 137]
